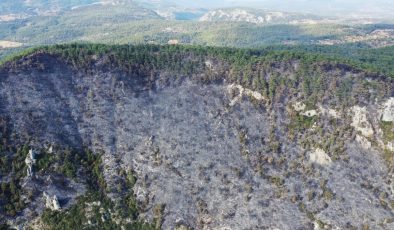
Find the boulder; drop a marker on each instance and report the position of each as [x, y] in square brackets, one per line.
[319, 156]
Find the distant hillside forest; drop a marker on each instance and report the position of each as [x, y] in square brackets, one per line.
[123, 24]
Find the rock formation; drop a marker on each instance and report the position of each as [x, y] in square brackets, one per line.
[30, 162]
[51, 202]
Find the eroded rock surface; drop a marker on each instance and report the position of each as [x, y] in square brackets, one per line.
[360, 121]
[388, 111]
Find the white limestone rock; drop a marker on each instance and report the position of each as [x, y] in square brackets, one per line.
[310, 113]
[364, 142]
[55, 203]
[329, 112]
[30, 161]
[256, 95]
[390, 146]
[319, 156]
[243, 91]
[173, 42]
[360, 121]
[388, 110]
[31, 157]
[51, 202]
[209, 64]
[299, 106]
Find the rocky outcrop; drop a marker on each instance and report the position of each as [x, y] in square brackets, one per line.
[51, 202]
[299, 106]
[364, 142]
[360, 121]
[310, 113]
[321, 110]
[329, 112]
[30, 162]
[319, 156]
[236, 15]
[390, 146]
[388, 110]
[239, 91]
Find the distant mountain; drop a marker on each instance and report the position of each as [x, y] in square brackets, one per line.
[22, 9]
[176, 13]
[112, 12]
[255, 16]
[189, 4]
[36, 6]
[172, 10]
[342, 8]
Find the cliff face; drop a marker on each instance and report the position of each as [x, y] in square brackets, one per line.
[212, 154]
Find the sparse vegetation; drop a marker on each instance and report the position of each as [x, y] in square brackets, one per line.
[301, 122]
[327, 193]
[158, 213]
[277, 181]
[11, 202]
[388, 130]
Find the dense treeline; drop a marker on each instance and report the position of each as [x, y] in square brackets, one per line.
[273, 72]
[377, 61]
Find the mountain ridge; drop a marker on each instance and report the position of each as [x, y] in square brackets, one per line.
[256, 16]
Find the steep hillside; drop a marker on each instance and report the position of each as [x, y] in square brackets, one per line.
[178, 137]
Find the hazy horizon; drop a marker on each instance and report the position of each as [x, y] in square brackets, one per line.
[336, 8]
